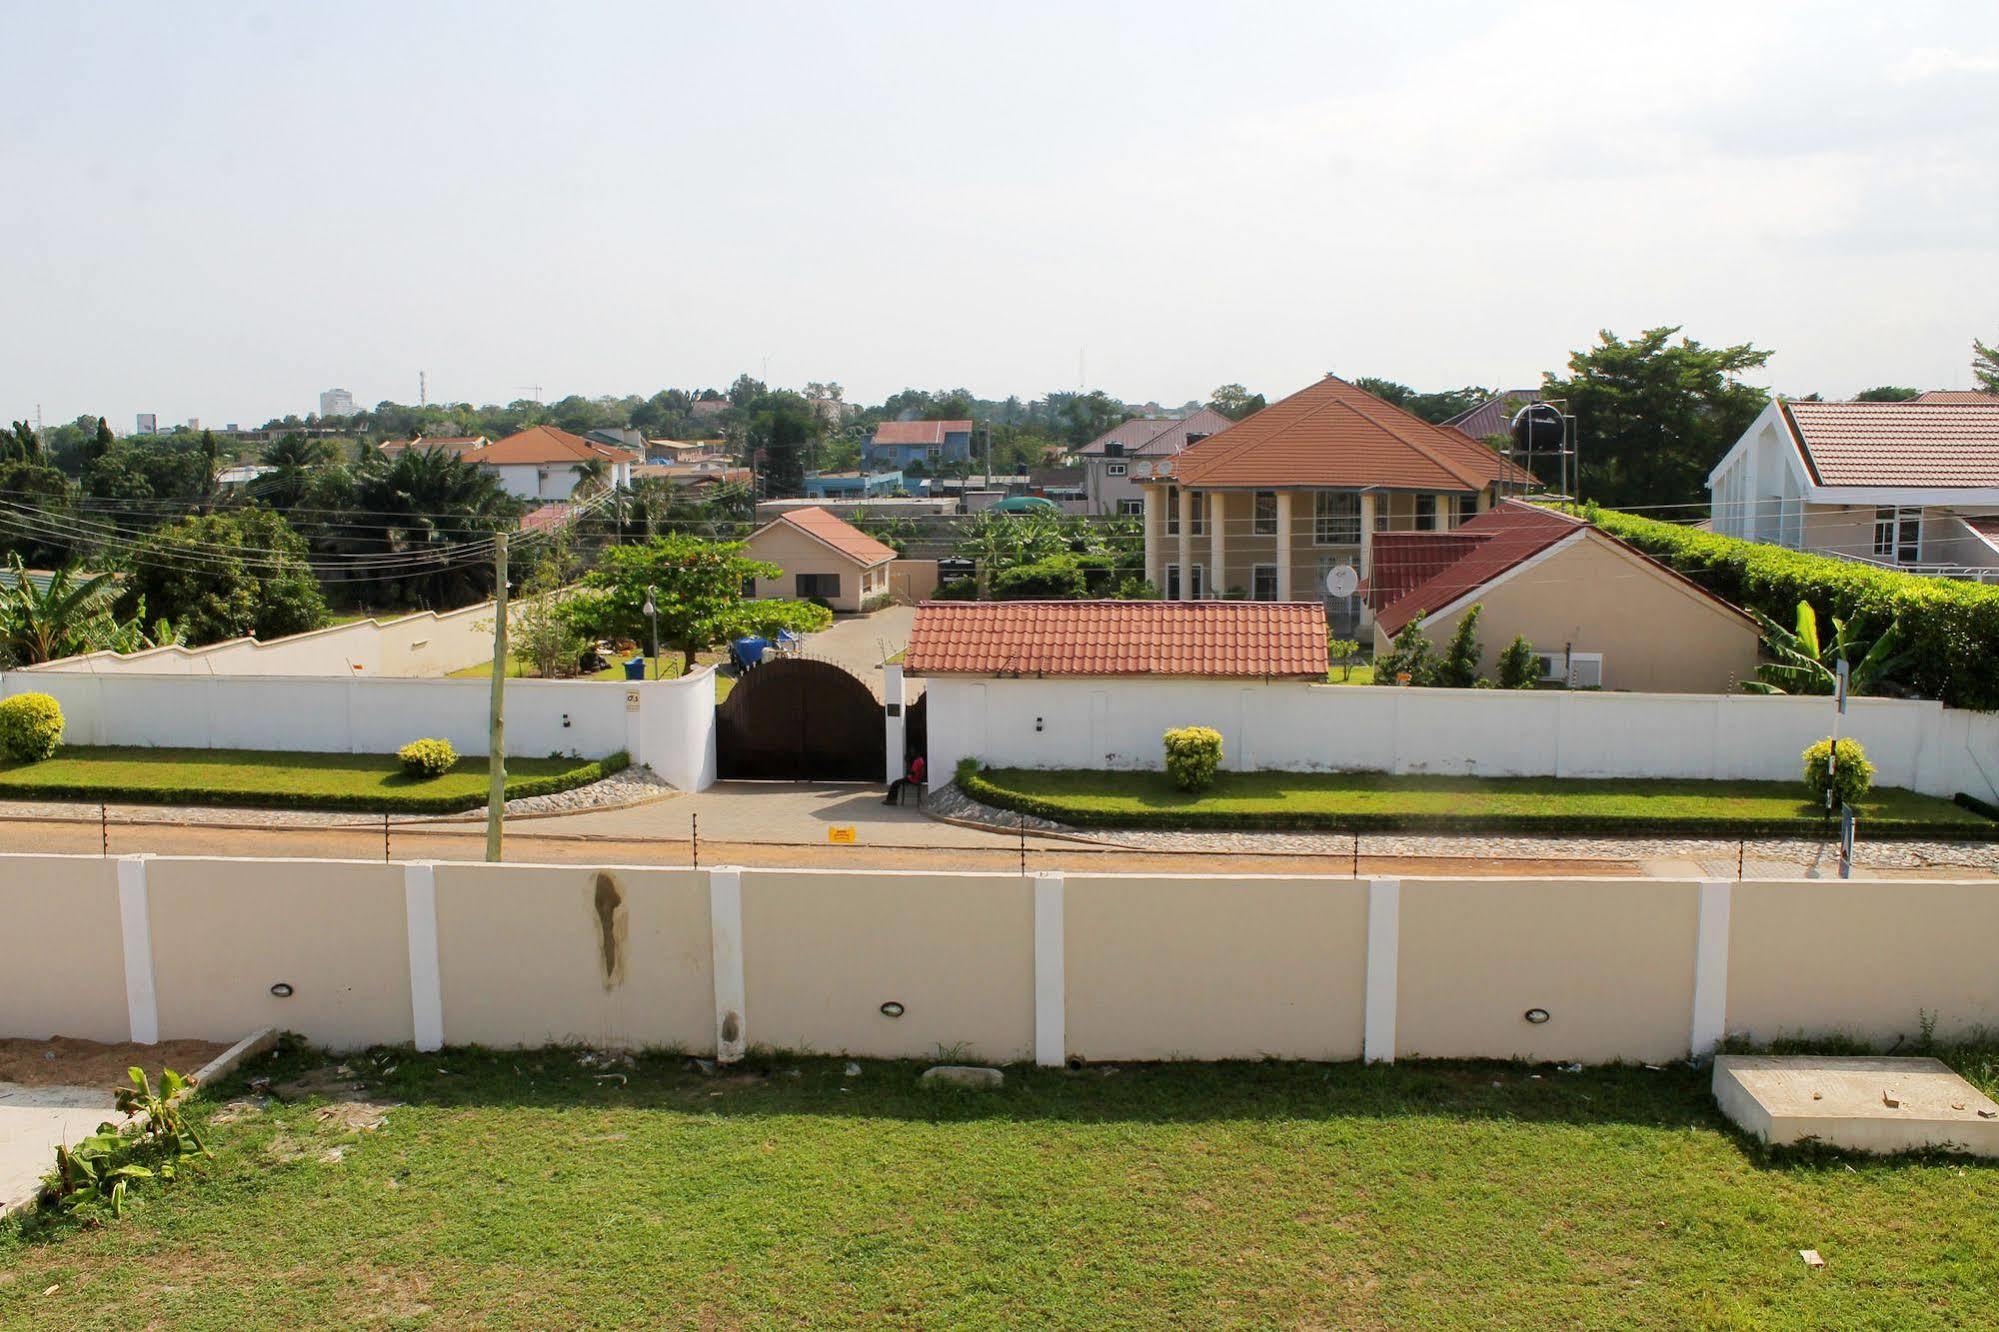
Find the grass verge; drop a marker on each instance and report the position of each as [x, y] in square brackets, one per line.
[1379, 802]
[524, 1189]
[364, 783]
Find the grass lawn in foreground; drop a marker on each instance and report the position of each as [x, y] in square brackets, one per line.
[1370, 801]
[361, 782]
[520, 1190]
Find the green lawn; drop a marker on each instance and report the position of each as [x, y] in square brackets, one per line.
[1362, 674]
[518, 1190]
[365, 782]
[1367, 801]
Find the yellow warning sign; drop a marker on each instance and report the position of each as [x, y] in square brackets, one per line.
[841, 832]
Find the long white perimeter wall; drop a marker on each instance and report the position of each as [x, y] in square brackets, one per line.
[1294, 727]
[416, 646]
[668, 725]
[1103, 966]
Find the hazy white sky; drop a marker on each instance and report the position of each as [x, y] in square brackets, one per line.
[218, 210]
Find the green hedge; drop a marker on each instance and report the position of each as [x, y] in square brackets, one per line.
[1952, 626]
[517, 789]
[974, 784]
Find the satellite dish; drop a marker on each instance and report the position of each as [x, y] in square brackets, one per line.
[1342, 580]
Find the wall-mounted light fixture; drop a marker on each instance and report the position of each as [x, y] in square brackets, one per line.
[892, 1009]
[1536, 1015]
[282, 990]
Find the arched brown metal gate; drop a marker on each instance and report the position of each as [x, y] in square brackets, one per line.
[799, 720]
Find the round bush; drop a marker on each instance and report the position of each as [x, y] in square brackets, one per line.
[30, 727]
[427, 758]
[1193, 754]
[1848, 782]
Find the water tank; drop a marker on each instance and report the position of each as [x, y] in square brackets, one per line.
[1537, 428]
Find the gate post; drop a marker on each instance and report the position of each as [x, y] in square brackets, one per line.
[894, 705]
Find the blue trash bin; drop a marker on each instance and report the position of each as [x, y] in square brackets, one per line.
[635, 669]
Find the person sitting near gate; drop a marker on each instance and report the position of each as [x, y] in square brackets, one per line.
[914, 777]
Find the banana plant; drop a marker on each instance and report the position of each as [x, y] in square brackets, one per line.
[1800, 663]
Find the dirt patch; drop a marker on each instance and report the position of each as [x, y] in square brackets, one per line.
[63, 1061]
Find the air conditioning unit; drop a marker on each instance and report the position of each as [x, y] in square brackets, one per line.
[1576, 670]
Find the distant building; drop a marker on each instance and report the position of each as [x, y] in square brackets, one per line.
[149, 424]
[194, 423]
[1116, 460]
[336, 402]
[821, 485]
[705, 408]
[901, 443]
[541, 462]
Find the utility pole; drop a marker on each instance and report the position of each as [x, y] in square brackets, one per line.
[496, 724]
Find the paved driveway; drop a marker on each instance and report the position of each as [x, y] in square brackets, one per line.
[860, 643]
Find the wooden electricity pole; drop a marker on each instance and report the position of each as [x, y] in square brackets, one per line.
[496, 725]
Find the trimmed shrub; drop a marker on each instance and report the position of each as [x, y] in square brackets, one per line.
[957, 589]
[1519, 668]
[1055, 579]
[1947, 625]
[30, 727]
[1193, 756]
[1459, 669]
[1413, 655]
[425, 759]
[1849, 780]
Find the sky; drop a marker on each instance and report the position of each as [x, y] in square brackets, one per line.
[218, 210]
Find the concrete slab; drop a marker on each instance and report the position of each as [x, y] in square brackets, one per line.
[1861, 1103]
[34, 1121]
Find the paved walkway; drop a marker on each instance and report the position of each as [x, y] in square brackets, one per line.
[34, 1121]
[861, 643]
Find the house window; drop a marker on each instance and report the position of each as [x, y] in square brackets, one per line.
[1264, 519]
[822, 585]
[1336, 518]
[1898, 534]
[1200, 588]
[1467, 509]
[1426, 513]
[1263, 582]
[1131, 508]
[1200, 514]
[750, 588]
[1115, 469]
[1172, 514]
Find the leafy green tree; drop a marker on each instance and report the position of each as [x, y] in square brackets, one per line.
[71, 613]
[296, 458]
[545, 632]
[778, 428]
[1654, 414]
[1412, 654]
[226, 575]
[1985, 366]
[1459, 668]
[1432, 407]
[102, 442]
[1235, 402]
[1886, 393]
[39, 507]
[697, 590]
[1519, 668]
[21, 444]
[1800, 663]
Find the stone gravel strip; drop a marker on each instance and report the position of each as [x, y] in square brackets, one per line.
[1761, 857]
[632, 786]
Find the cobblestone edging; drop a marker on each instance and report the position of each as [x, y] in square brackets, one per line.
[632, 786]
[1765, 857]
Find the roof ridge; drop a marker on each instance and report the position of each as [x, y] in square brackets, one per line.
[1220, 458]
[1428, 450]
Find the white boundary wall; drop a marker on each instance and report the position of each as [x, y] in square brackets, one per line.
[668, 725]
[1041, 967]
[415, 646]
[1296, 727]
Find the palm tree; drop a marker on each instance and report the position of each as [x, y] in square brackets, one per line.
[427, 502]
[69, 614]
[589, 474]
[295, 457]
[1801, 664]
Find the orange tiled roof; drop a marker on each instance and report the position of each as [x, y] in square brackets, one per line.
[1928, 444]
[1336, 435]
[919, 432]
[1957, 397]
[836, 532]
[1231, 639]
[546, 444]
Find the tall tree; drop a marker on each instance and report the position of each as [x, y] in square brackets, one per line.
[1655, 414]
[296, 458]
[22, 444]
[696, 588]
[425, 502]
[1235, 402]
[1985, 366]
[224, 575]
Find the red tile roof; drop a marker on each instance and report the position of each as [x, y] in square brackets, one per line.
[1157, 435]
[1505, 537]
[919, 432]
[545, 444]
[1222, 639]
[1334, 434]
[547, 518]
[455, 444]
[1403, 561]
[836, 532]
[1927, 444]
[1957, 397]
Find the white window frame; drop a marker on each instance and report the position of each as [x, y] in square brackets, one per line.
[1171, 592]
[1889, 520]
[1261, 524]
[1115, 469]
[1256, 569]
[1336, 522]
